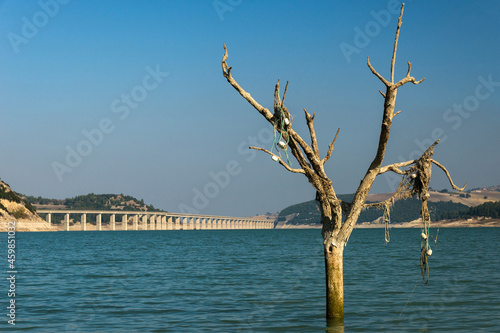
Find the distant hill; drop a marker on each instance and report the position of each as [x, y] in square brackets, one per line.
[93, 201]
[442, 205]
[16, 214]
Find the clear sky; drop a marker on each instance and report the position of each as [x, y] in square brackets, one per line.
[128, 96]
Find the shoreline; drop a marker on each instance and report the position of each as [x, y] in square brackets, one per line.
[470, 223]
[35, 225]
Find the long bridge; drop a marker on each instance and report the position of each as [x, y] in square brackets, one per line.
[141, 220]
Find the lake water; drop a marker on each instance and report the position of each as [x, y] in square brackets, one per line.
[249, 281]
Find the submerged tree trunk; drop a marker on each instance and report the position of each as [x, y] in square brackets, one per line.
[334, 262]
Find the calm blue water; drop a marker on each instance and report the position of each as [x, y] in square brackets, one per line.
[249, 281]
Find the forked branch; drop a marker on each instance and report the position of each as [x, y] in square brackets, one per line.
[407, 78]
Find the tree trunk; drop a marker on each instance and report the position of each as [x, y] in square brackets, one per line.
[334, 260]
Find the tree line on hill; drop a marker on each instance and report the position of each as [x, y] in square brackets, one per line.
[403, 211]
[93, 201]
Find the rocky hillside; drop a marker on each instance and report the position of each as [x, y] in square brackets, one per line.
[13, 208]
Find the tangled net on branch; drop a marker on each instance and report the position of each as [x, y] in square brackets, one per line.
[415, 182]
[282, 121]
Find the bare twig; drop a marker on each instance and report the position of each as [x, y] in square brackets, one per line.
[310, 125]
[279, 160]
[284, 95]
[384, 81]
[330, 148]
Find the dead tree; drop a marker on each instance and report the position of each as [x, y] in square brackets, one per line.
[338, 218]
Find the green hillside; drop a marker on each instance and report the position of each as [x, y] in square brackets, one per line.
[93, 201]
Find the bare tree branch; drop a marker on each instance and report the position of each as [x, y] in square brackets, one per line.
[297, 153]
[284, 95]
[226, 71]
[330, 148]
[312, 132]
[279, 160]
[408, 78]
[277, 100]
[393, 61]
[384, 81]
[395, 167]
[448, 175]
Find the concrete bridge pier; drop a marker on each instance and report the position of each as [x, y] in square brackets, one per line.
[170, 223]
[83, 222]
[151, 222]
[124, 222]
[48, 218]
[112, 222]
[66, 222]
[203, 224]
[154, 226]
[159, 225]
[144, 222]
[98, 222]
[163, 222]
[135, 222]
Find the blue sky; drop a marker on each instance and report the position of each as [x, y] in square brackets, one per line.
[128, 96]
